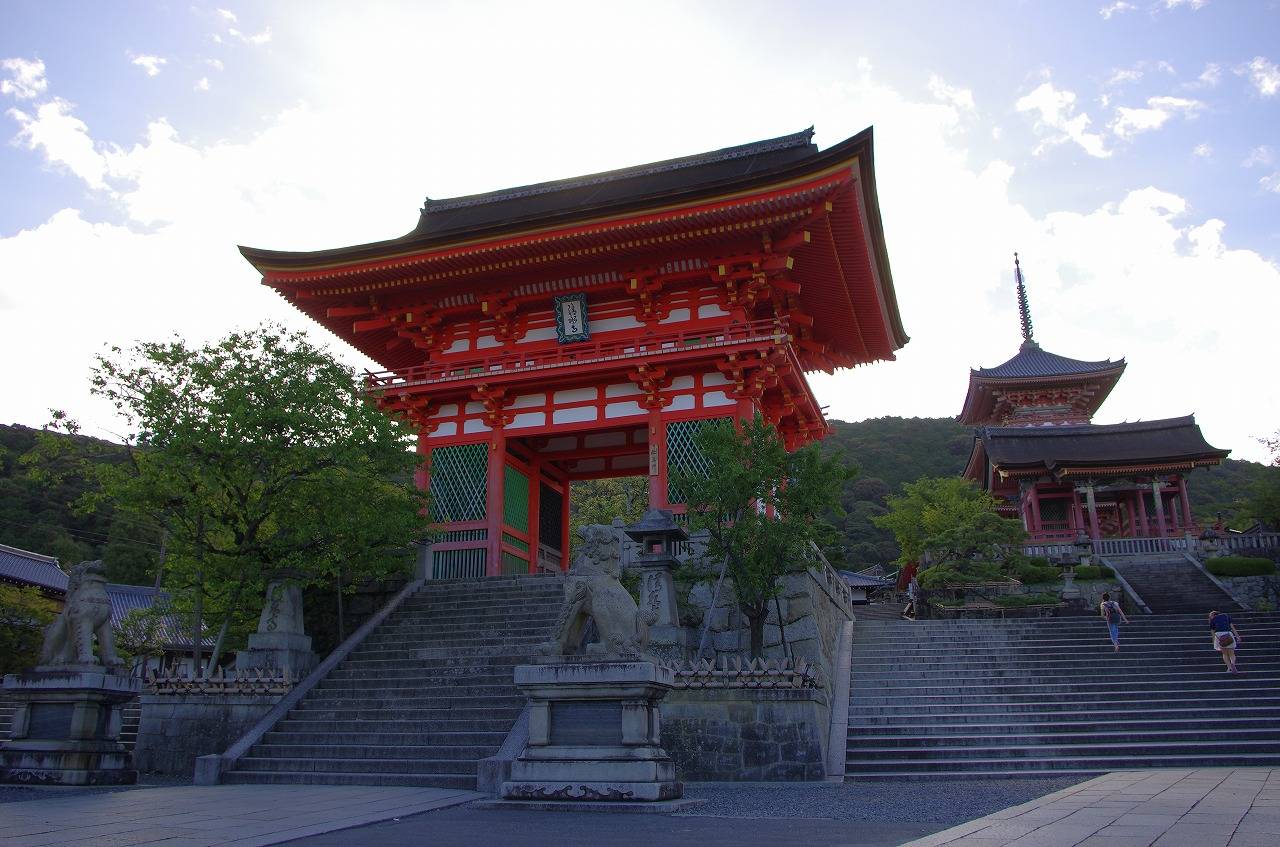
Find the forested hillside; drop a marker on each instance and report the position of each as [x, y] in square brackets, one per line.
[39, 516]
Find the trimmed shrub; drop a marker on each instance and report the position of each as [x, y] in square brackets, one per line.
[1028, 572]
[1241, 566]
[1016, 601]
[940, 576]
[1088, 572]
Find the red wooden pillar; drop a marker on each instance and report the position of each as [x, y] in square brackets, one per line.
[657, 461]
[535, 505]
[1142, 512]
[497, 471]
[1077, 517]
[1095, 532]
[1036, 526]
[1186, 502]
[1162, 529]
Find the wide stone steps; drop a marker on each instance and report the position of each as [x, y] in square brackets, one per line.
[970, 698]
[1172, 585]
[423, 699]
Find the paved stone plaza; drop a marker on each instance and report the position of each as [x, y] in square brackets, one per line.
[1154, 808]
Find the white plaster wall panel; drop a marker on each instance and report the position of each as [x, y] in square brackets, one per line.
[717, 398]
[528, 419]
[609, 324]
[475, 407]
[714, 378]
[444, 430]
[546, 333]
[681, 383]
[458, 346]
[676, 316]
[527, 401]
[621, 389]
[475, 425]
[679, 403]
[577, 414]
[575, 395]
[484, 342]
[448, 410]
[623, 409]
[711, 310]
[604, 439]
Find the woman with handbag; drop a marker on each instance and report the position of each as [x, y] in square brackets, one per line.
[1226, 638]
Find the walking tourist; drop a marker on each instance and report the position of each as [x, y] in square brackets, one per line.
[913, 600]
[1113, 615]
[1226, 638]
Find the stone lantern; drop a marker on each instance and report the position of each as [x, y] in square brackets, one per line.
[656, 535]
[1209, 544]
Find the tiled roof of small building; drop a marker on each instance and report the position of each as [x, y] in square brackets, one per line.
[31, 568]
[1098, 444]
[128, 598]
[1032, 362]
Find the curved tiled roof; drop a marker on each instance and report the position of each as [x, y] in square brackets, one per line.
[1169, 440]
[31, 568]
[1032, 362]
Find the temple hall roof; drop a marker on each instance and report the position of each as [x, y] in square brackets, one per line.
[1090, 449]
[23, 566]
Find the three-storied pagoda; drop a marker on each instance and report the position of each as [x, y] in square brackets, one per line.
[1036, 449]
[587, 327]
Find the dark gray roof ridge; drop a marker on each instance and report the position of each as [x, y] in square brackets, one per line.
[1033, 361]
[1092, 428]
[784, 142]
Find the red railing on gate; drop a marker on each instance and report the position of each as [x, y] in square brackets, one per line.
[507, 361]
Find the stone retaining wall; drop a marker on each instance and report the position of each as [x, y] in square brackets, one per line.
[746, 735]
[1253, 590]
[175, 729]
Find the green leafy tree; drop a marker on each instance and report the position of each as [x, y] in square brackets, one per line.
[955, 525]
[599, 501]
[762, 508]
[257, 455]
[141, 634]
[24, 613]
[1263, 503]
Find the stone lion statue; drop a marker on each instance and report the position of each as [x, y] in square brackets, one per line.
[593, 591]
[69, 639]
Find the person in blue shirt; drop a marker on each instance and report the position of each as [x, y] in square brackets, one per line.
[1226, 638]
[1112, 614]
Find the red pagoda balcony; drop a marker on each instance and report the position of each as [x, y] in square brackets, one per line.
[588, 356]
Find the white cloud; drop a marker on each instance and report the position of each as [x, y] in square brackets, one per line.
[961, 98]
[25, 78]
[1130, 122]
[260, 38]
[150, 64]
[230, 17]
[1264, 74]
[1194, 5]
[62, 138]
[1209, 77]
[1271, 183]
[1123, 75]
[1105, 281]
[202, 84]
[1260, 155]
[1057, 121]
[216, 64]
[1115, 8]
[1204, 150]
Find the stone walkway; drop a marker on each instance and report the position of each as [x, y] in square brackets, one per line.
[1209, 807]
[210, 816]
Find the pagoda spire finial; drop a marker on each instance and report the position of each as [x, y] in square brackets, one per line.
[1024, 310]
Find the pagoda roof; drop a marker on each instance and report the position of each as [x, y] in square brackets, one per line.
[1034, 362]
[570, 229]
[1082, 450]
[1034, 366]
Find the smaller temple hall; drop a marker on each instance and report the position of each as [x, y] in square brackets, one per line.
[1036, 449]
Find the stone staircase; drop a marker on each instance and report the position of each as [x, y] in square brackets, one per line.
[1049, 696]
[426, 696]
[1170, 585]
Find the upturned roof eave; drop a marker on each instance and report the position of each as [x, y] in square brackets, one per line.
[978, 406]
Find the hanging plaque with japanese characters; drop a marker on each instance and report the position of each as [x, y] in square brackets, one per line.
[571, 319]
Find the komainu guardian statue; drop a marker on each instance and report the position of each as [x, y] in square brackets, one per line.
[69, 639]
[593, 591]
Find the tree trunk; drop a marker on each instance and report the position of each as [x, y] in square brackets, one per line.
[164, 554]
[755, 620]
[197, 615]
[226, 623]
[782, 627]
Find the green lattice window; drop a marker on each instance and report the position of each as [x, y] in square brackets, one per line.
[683, 454]
[1053, 509]
[515, 500]
[458, 482]
[513, 564]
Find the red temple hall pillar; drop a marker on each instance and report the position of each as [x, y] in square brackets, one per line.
[494, 496]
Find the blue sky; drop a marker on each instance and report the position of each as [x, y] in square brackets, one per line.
[1129, 150]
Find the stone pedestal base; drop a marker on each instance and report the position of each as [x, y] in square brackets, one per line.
[287, 652]
[66, 727]
[594, 734]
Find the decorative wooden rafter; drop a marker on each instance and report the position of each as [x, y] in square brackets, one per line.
[652, 379]
[504, 310]
[494, 400]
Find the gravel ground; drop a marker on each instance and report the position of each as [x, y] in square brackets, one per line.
[18, 793]
[941, 801]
